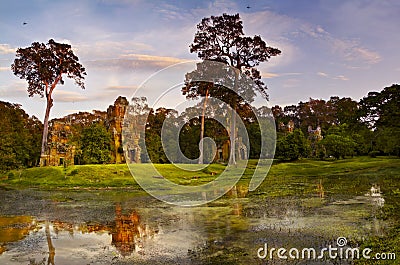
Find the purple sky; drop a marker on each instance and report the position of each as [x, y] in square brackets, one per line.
[343, 48]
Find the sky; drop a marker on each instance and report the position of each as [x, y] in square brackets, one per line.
[329, 48]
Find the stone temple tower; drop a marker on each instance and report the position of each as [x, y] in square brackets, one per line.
[115, 117]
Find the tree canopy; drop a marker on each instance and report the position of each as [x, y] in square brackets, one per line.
[221, 39]
[44, 66]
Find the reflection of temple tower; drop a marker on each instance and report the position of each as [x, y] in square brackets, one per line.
[126, 231]
[129, 232]
[115, 117]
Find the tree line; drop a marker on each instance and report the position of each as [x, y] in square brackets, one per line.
[370, 126]
[347, 127]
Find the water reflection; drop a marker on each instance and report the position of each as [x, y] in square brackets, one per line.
[14, 228]
[237, 191]
[320, 189]
[126, 234]
[376, 195]
[129, 233]
[52, 250]
[141, 231]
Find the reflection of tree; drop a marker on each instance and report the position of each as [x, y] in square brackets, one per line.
[128, 231]
[52, 250]
[237, 191]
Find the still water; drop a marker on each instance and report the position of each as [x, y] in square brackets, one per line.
[120, 227]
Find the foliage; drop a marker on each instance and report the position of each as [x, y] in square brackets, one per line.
[19, 137]
[292, 146]
[338, 146]
[96, 144]
[380, 111]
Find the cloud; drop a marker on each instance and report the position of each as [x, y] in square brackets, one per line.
[350, 50]
[322, 74]
[17, 89]
[170, 12]
[135, 62]
[6, 49]
[269, 75]
[69, 96]
[109, 49]
[291, 82]
[121, 88]
[272, 75]
[156, 60]
[337, 77]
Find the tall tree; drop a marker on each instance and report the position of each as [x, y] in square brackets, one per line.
[221, 38]
[44, 66]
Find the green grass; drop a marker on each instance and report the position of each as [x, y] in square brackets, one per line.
[291, 178]
[82, 176]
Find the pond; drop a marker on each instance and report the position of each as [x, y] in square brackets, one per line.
[123, 227]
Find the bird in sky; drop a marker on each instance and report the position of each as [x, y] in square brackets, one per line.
[24, 23]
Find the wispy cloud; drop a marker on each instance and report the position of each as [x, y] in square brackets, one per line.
[16, 89]
[69, 96]
[135, 62]
[121, 88]
[337, 77]
[272, 75]
[6, 49]
[109, 49]
[269, 75]
[350, 50]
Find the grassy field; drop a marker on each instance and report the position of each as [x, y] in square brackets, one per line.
[290, 178]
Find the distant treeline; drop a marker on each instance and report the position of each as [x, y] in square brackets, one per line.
[337, 128]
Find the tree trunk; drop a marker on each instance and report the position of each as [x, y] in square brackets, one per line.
[201, 145]
[232, 156]
[43, 153]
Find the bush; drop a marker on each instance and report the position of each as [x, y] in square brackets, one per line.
[292, 146]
